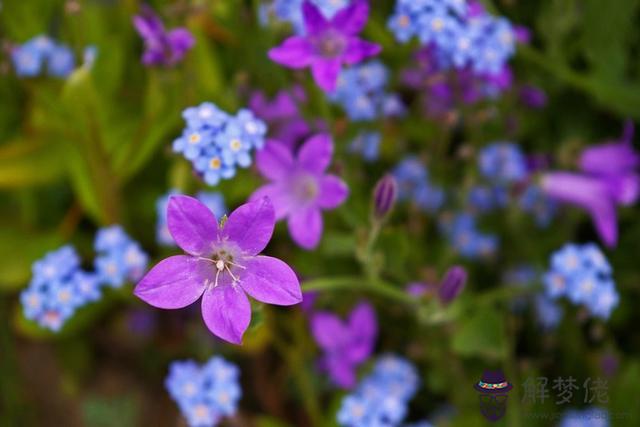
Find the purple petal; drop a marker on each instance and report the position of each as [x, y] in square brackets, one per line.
[624, 188]
[294, 52]
[325, 73]
[359, 49]
[328, 330]
[180, 40]
[333, 192]
[251, 226]
[592, 194]
[352, 19]
[363, 327]
[226, 312]
[193, 226]
[305, 227]
[315, 154]
[314, 20]
[271, 281]
[148, 24]
[274, 161]
[342, 373]
[174, 282]
[609, 159]
[280, 197]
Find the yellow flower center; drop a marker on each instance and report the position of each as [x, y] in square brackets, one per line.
[236, 144]
[194, 138]
[215, 163]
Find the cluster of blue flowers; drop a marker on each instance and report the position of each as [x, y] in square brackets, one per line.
[583, 274]
[291, 10]
[29, 59]
[589, 417]
[367, 145]
[503, 163]
[59, 286]
[120, 258]
[205, 393]
[538, 204]
[381, 399]
[462, 232]
[217, 143]
[482, 198]
[361, 92]
[414, 185]
[462, 34]
[213, 200]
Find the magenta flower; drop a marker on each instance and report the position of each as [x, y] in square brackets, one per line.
[299, 187]
[596, 195]
[610, 178]
[345, 344]
[327, 43]
[162, 47]
[221, 264]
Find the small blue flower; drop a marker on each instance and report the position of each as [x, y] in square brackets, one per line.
[204, 394]
[119, 257]
[367, 144]
[61, 61]
[503, 162]
[381, 399]
[548, 312]
[361, 92]
[217, 143]
[534, 201]
[582, 273]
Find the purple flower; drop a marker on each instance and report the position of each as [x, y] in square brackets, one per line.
[221, 264]
[611, 159]
[610, 178]
[162, 47]
[597, 196]
[299, 187]
[345, 344]
[327, 43]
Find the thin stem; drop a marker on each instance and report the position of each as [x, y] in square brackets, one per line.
[377, 287]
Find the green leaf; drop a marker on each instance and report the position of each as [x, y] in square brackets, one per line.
[18, 250]
[266, 421]
[30, 162]
[481, 334]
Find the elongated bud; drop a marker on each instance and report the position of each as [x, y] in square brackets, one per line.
[452, 284]
[384, 196]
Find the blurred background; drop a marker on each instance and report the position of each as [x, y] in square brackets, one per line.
[92, 147]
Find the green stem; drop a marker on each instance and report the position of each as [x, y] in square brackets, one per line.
[377, 287]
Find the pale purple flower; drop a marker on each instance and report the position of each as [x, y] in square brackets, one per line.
[610, 178]
[162, 47]
[221, 264]
[346, 344]
[596, 195]
[385, 194]
[300, 188]
[327, 44]
[612, 159]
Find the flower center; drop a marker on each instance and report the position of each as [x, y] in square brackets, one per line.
[215, 163]
[305, 188]
[194, 138]
[331, 44]
[224, 263]
[236, 144]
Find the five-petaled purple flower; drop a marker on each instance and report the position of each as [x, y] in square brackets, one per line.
[299, 187]
[221, 264]
[345, 344]
[162, 47]
[327, 43]
[609, 178]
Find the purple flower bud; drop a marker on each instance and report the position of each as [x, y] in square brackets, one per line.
[452, 284]
[384, 196]
[533, 97]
